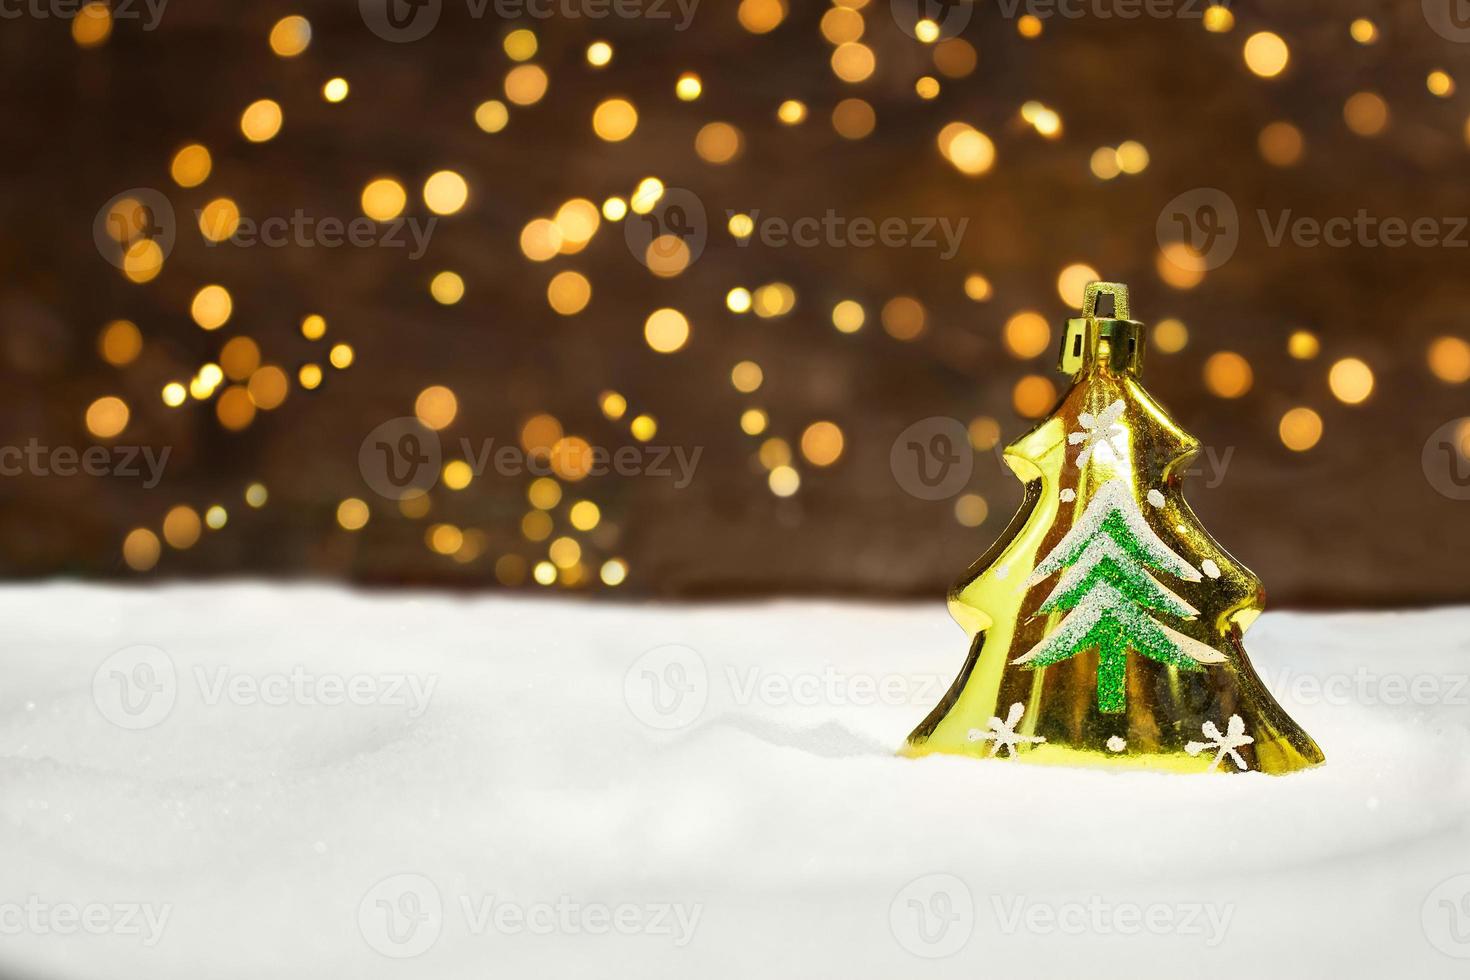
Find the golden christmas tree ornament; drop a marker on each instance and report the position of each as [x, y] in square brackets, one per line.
[1106, 624]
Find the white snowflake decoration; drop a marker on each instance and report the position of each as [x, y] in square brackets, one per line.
[1223, 745]
[1209, 567]
[1117, 743]
[1004, 734]
[1155, 498]
[1068, 495]
[1098, 430]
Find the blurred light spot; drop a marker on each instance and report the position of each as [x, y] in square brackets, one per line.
[643, 427]
[445, 192]
[174, 394]
[120, 343]
[955, 58]
[753, 421]
[268, 387]
[841, 24]
[717, 143]
[599, 54]
[335, 89]
[614, 209]
[1033, 396]
[761, 16]
[984, 433]
[1363, 30]
[436, 406]
[1170, 336]
[666, 330]
[211, 307]
[688, 87]
[92, 25]
[822, 443]
[1449, 359]
[584, 515]
[791, 112]
[1132, 157]
[853, 62]
[352, 514]
[491, 115]
[107, 416]
[341, 356]
[261, 120]
[927, 87]
[774, 452]
[1104, 163]
[1300, 429]
[313, 326]
[614, 120]
[1440, 83]
[309, 376]
[1029, 26]
[1303, 345]
[747, 376]
[1228, 375]
[544, 573]
[191, 165]
[239, 358]
[614, 572]
[457, 474]
[568, 292]
[541, 240]
[1072, 281]
[977, 287]
[784, 481]
[290, 36]
[234, 409]
[141, 549]
[848, 316]
[143, 261]
[525, 84]
[256, 495]
[539, 433]
[1180, 266]
[853, 119]
[1365, 113]
[219, 219]
[544, 493]
[520, 44]
[737, 300]
[613, 405]
[1027, 333]
[1280, 144]
[971, 510]
[216, 517]
[1266, 54]
[1218, 19]
[383, 199]
[903, 317]
[1351, 380]
[741, 225]
[447, 288]
[666, 256]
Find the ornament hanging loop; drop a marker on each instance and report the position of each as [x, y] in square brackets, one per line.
[1103, 335]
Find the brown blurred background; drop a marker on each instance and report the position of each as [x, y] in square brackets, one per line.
[1054, 144]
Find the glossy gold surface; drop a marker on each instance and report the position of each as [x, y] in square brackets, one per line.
[1167, 708]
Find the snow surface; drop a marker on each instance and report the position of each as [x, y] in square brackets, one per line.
[774, 834]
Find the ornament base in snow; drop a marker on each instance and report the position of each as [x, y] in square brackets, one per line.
[1106, 623]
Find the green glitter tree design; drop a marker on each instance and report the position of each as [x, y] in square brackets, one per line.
[1111, 598]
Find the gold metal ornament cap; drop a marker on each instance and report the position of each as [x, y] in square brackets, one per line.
[1103, 333]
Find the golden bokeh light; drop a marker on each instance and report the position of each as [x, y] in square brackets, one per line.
[971, 510]
[1266, 54]
[313, 326]
[1228, 375]
[955, 57]
[436, 406]
[1365, 113]
[261, 120]
[643, 427]
[219, 219]
[848, 316]
[352, 514]
[614, 120]
[903, 317]
[541, 240]
[191, 165]
[1449, 359]
[1440, 83]
[120, 342]
[853, 62]
[491, 115]
[290, 36]
[182, 527]
[525, 84]
[1351, 380]
[761, 16]
[107, 417]
[1170, 336]
[753, 421]
[239, 358]
[383, 199]
[341, 356]
[666, 256]
[520, 44]
[1300, 429]
[783, 481]
[1071, 282]
[1033, 396]
[445, 192]
[569, 292]
[174, 394]
[717, 143]
[256, 495]
[978, 288]
[309, 376]
[792, 112]
[853, 119]
[234, 408]
[612, 404]
[1027, 333]
[614, 572]
[544, 493]
[457, 474]
[141, 549]
[984, 433]
[584, 515]
[268, 387]
[1363, 30]
[747, 376]
[211, 307]
[335, 89]
[1303, 345]
[92, 24]
[1281, 144]
[1218, 18]
[688, 87]
[447, 288]
[822, 443]
[666, 330]
[143, 261]
[539, 433]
